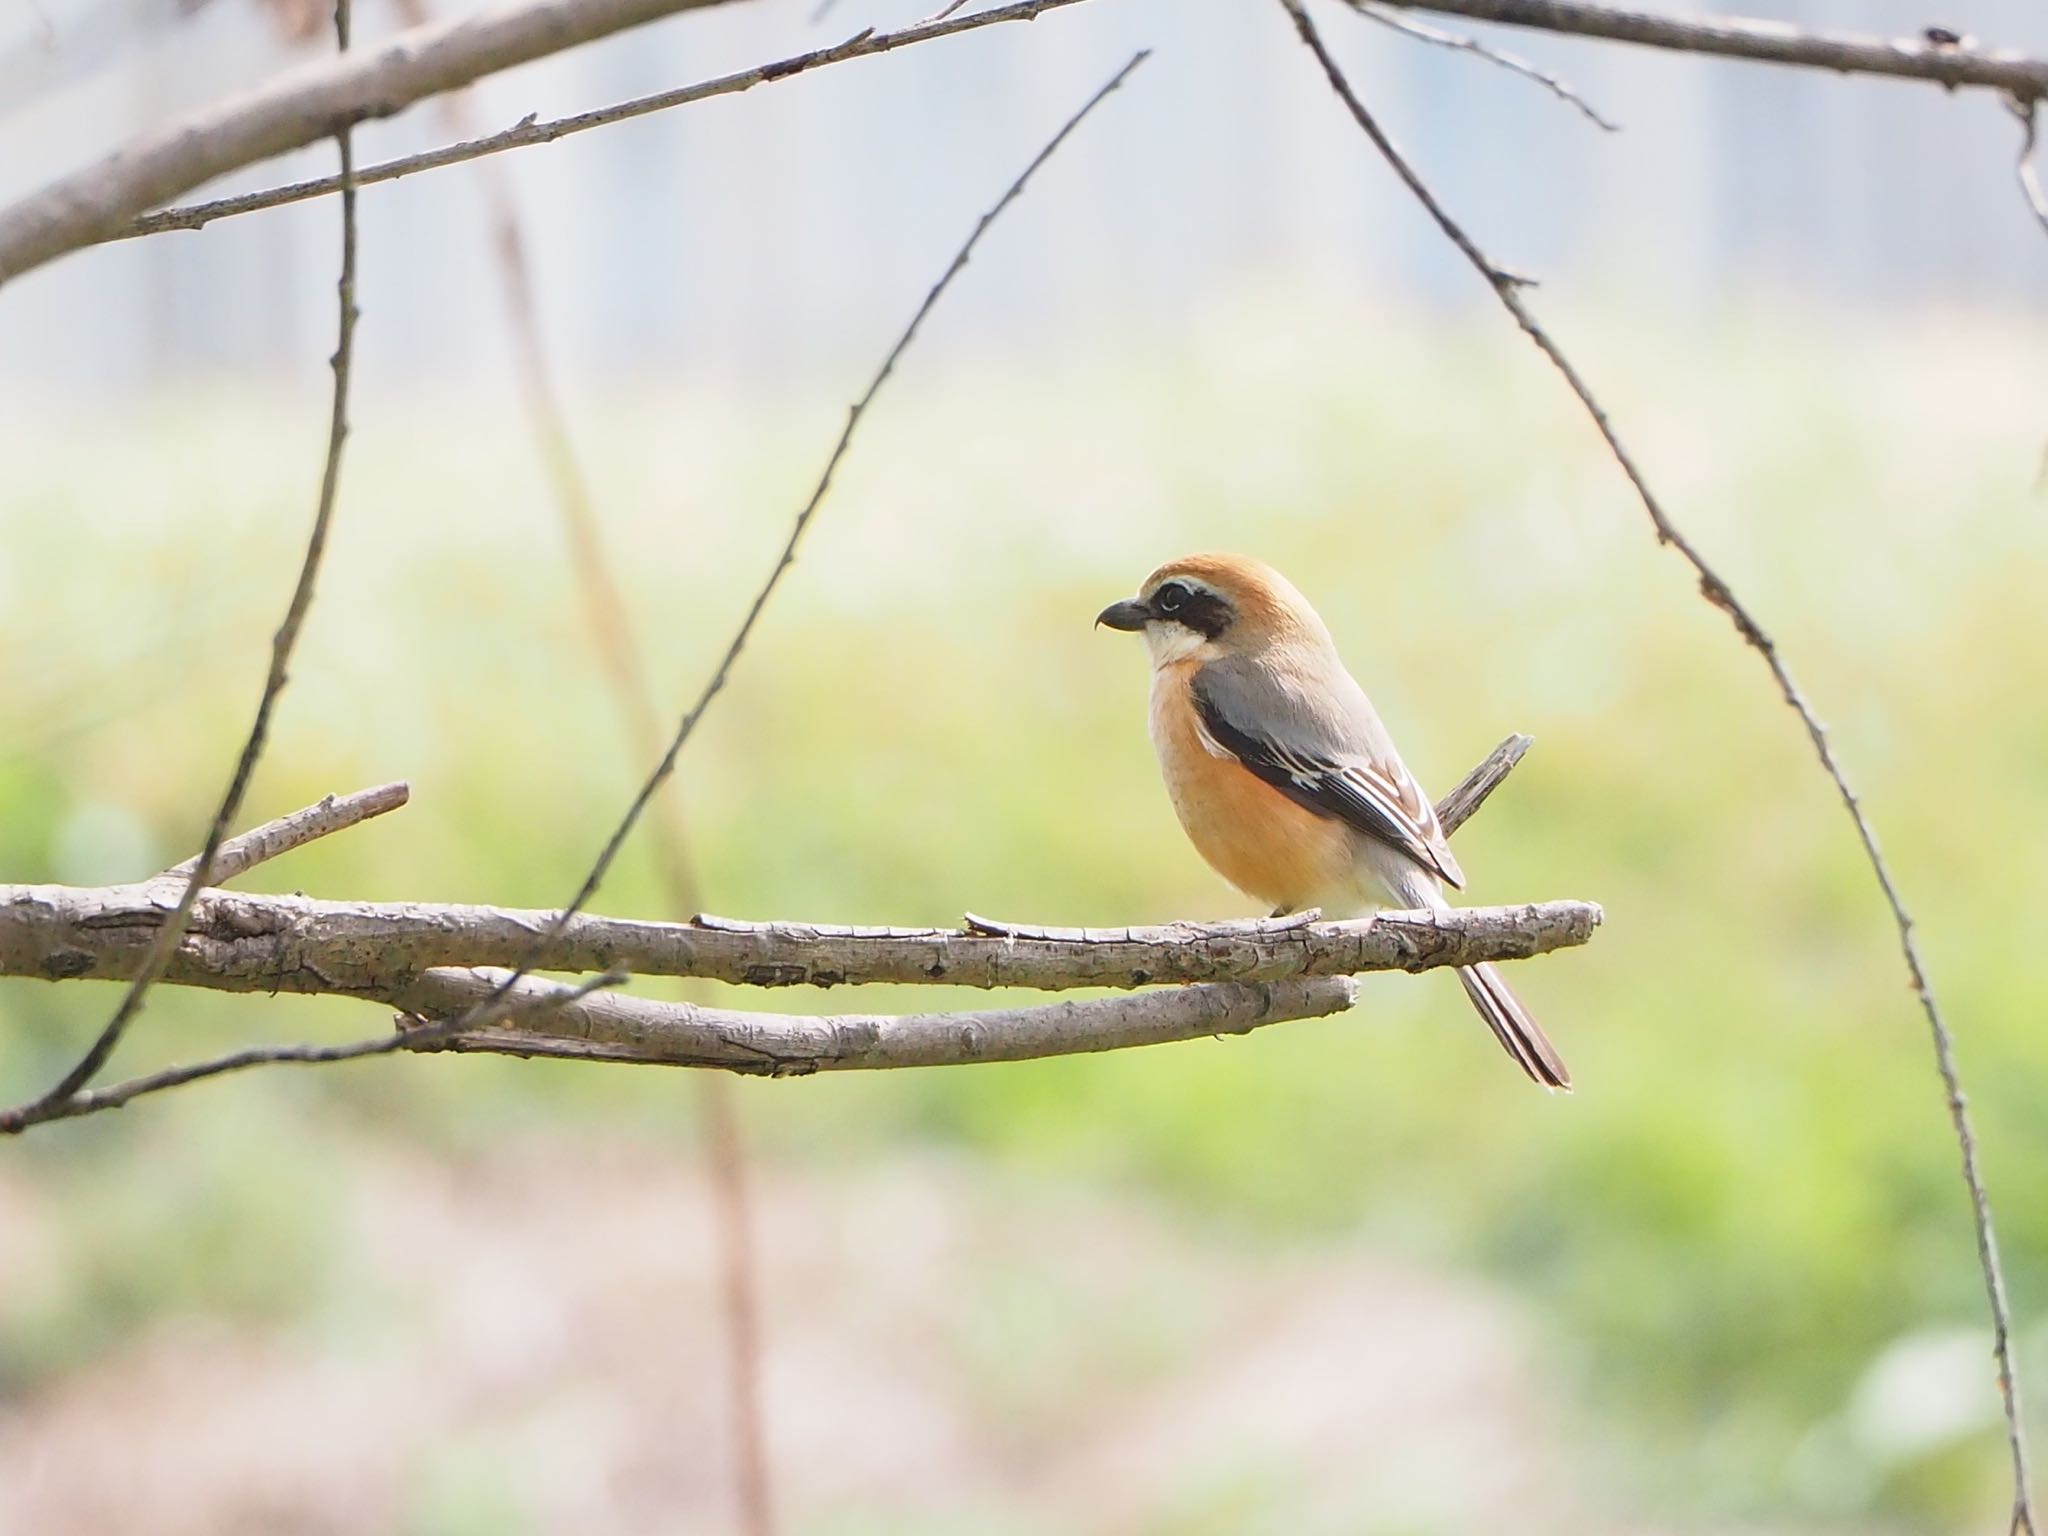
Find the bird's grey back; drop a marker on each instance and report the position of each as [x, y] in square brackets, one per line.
[1303, 701]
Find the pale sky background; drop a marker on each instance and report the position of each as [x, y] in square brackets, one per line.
[757, 235]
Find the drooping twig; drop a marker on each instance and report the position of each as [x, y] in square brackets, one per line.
[723, 671]
[2026, 108]
[1764, 42]
[93, 1101]
[604, 607]
[1460, 42]
[606, 615]
[529, 132]
[537, 944]
[1507, 288]
[739, 1292]
[336, 813]
[297, 108]
[200, 870]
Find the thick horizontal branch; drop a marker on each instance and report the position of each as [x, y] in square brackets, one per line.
[239, 942]
[606, 1027]
[1937, 55]
[442, 967]
[298, 107]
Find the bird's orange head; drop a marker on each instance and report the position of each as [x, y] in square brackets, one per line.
[1201, 607]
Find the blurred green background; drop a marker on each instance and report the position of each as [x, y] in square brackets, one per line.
[1351, 1275]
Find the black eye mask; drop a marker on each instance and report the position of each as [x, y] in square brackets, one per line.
[1201, 610]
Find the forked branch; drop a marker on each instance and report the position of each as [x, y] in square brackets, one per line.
[440, 963]
[296, 108]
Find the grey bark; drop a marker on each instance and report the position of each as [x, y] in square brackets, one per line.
[297, 107]
[238, 942]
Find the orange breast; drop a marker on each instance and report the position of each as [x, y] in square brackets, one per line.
[1251, 834]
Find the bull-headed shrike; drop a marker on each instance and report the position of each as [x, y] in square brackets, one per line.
[1280, 771]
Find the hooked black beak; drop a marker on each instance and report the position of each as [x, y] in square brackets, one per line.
[1128, 614]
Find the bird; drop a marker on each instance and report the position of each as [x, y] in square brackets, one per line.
[1281, 773]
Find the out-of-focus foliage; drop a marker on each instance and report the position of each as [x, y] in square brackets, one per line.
[1745, 1237]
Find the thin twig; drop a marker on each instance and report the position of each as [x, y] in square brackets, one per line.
[606, 614]
[604, 606]
[92, 1101]
[527, 132]
[1507, 288]
[453, 1025]
[2025, 109]
[1756, 41]
[1459, 42]
[787, 558]
[1762, 42]
[739, 1299]
[88, 1066]
[336, 813]
[300, 106]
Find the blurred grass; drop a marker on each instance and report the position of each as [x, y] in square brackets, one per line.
[1752, 1198]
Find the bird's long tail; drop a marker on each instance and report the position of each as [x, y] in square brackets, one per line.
[1514, 1026]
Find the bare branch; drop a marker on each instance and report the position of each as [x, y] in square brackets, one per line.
[430, 962]
[529, 132]
[634, 1029]
[536, 941]
[606, 613]
[1507, 288]
[243, 942]
[730, 658]
[336, 813]
[1738, 38]
[297, 108]
[1459, 806]
[1459, 42]
[527, 1016]
[200, 869]
[1953, 64]
[523, 1009]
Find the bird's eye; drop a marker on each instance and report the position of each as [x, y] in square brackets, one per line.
[1169, 597]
